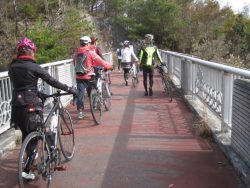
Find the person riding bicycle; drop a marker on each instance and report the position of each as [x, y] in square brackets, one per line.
[91, 60]
[24, 73]
[147, 55]
[128, 55]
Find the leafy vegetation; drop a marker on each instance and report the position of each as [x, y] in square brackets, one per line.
[201, 27]
[55, 32]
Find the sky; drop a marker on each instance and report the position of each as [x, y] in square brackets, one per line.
[236, 5]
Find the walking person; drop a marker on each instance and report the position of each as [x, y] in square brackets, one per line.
[98, 51]
[128, 56]
[24, 73]
[119, 56]
[147, 55]
[85, 60]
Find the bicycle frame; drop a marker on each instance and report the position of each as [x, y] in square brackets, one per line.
[54, 111]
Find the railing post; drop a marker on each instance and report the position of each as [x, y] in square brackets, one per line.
[186, 76]
[170, 64]
[227, 90]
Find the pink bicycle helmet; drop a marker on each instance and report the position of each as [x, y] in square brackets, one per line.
[26, 42]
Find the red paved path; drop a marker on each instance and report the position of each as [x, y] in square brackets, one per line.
[143, 142]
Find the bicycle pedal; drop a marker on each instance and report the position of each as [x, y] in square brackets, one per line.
[60, 168]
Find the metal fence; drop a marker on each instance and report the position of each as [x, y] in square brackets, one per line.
[61, 70]
[210, 82]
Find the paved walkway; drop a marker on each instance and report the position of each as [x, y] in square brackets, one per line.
[143, 142]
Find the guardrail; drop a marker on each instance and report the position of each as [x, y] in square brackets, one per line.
[210, 82]
[61, 70]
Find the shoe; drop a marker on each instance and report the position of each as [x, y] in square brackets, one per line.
[150, 92]
[80, 115]
[126, 83]
[29, 176]
[146, 93]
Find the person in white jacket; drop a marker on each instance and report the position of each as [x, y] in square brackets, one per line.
[128, 57]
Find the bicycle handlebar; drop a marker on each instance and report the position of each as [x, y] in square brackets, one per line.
[57, 94]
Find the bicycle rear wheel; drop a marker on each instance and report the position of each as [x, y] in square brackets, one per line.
[66, 135]
[95, 106]
[106, 96]
[33, 158]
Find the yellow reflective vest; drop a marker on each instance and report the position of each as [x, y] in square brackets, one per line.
[148, 54]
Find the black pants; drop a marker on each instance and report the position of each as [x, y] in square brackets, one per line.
[126, 73]
[148, 72]
[119, 64]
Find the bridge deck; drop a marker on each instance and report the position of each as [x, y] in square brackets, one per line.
[142, 142]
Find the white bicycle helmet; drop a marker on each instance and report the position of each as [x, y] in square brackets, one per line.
[126, 43]
[149, 36]
[85, 40]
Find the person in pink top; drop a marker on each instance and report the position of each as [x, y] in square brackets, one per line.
[94, 47]
[92, 60]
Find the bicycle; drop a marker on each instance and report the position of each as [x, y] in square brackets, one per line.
[166, 81]
[100, 95]
[40, 152]
[133, 75]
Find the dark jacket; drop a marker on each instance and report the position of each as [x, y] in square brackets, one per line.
[24, 73]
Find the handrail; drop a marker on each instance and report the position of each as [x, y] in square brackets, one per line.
[218, 66]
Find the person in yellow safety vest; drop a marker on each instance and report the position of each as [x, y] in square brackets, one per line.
[147, 55]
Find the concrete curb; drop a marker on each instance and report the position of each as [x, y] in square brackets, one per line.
[8, 141]
[222, 140]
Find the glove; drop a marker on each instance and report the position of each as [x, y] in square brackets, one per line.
[73, 91]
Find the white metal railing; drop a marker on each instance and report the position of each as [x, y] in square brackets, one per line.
[61, 70]
[210, 82]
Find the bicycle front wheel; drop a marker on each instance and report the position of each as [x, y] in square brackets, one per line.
[33, 167]
[169, 90]
[66, 135]
[95, 106]
[106, 96]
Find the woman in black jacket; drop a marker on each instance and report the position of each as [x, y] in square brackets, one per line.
[24, 73]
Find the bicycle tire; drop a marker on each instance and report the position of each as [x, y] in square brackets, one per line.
[133, 82]
[66, 135]
[39, 167]
[95, 106]
[168, 89]
[106, 96]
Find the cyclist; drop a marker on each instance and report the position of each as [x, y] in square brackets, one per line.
[147, 54]
[127, 54]
[24, 73]
[92, 60]
[119, 56]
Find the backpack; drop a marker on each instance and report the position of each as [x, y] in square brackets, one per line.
[80, 64]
